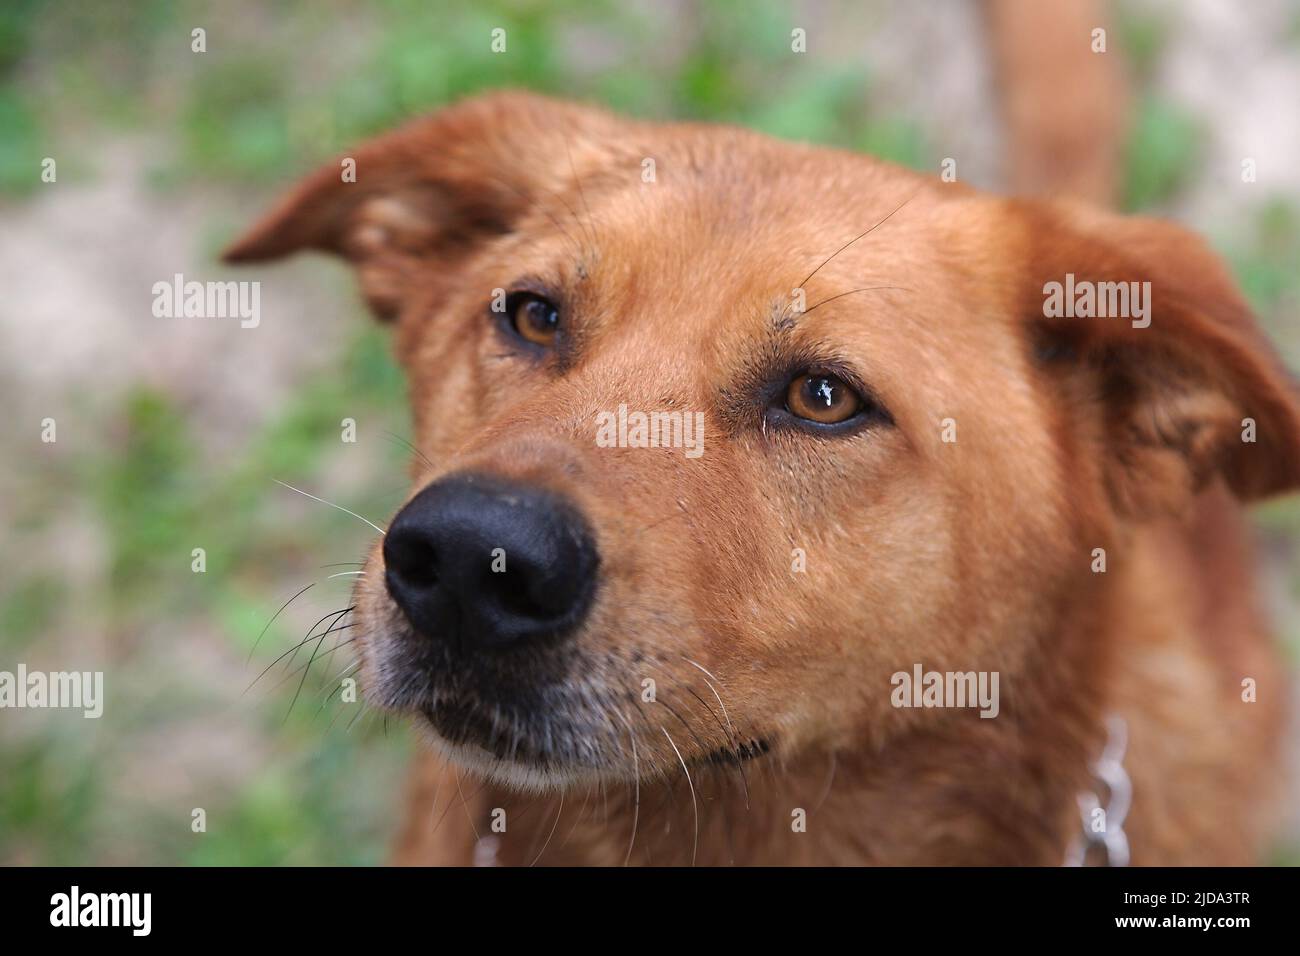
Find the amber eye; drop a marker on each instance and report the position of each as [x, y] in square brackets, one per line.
[534, 318]
[824, 399]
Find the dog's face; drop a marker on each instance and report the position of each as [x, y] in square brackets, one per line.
[875, 449]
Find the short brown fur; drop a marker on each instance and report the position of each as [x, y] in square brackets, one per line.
[1072, 435]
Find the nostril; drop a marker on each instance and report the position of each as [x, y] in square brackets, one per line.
[412, 558]
[514, 594]
[528, 591]
[421, 565]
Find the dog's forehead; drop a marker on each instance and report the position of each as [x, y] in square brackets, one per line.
[776, 236]
[705, 193]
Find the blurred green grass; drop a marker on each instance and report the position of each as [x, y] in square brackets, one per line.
[157, 494]
[281, 87]
[257, 104]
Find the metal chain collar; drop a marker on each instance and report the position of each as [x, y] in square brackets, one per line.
[1109, 770]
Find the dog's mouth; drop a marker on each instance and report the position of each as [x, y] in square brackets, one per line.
[741, 752]
[559, 733]
[526, 749]
[544, 752]
[463, 723]
[526, 721]
[567, 742]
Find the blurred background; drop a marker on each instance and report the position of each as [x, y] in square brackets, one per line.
[171, 433]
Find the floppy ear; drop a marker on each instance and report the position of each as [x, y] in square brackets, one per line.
[431, 191]
[1182, 388]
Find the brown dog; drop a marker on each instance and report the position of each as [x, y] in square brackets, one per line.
[910, 462]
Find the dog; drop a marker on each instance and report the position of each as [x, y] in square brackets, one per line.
[911, 466]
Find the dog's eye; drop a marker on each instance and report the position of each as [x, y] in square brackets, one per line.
[535, 319]
[823, 399]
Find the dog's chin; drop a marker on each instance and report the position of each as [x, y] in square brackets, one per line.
[522, 766]
[528, 727]
[546, 756]
[514, 773]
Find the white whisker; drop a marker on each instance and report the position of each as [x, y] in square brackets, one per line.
[331, 504]
[558, 813]
[715, 694]
[695, 806]
[830, 780]
[636, 777]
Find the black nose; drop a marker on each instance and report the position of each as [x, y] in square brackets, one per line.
[482, 562]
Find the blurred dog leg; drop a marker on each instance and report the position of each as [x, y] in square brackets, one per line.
[1065, 106]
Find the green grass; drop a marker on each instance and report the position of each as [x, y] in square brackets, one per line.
[244, 113]
[1165, 151]
[157, 494]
